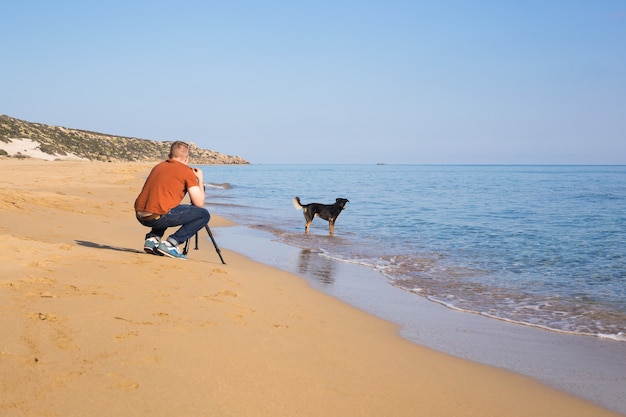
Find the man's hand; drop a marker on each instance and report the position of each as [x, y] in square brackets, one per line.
[199, 175]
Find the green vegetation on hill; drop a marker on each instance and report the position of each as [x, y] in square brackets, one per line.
[56, 140]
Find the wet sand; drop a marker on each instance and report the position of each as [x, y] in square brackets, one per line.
[590, 367]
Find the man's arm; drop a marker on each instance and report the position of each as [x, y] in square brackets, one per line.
[196, 193]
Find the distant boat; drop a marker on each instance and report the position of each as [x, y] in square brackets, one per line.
[380, 163]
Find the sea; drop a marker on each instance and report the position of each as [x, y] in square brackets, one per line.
[536, 245]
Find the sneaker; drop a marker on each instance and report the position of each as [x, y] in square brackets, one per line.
[151, 245]
[167, 249]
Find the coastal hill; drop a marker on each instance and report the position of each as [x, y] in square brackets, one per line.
[22, 139]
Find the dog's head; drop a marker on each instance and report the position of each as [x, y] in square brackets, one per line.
[341, 202]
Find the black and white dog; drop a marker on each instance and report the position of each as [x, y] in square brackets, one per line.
[328, 212]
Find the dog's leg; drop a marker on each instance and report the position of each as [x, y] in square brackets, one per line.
[306, 227]
[331, 226]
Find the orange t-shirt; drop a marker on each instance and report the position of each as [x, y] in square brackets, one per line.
[165, 187]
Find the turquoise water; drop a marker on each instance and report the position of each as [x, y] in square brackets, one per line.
[537, 245]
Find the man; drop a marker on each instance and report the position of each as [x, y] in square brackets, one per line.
[158, 206]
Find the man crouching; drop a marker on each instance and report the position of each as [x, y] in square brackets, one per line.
[158, 206]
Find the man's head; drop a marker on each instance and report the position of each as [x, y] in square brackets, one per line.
[179, 151]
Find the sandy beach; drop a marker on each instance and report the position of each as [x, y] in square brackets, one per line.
[93, 326]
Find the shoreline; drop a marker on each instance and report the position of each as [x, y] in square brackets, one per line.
[560, 360]
[94, 326]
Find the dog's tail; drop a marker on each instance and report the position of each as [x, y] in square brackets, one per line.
[296, 203]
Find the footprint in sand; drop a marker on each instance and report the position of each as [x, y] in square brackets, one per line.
[226, 293]
[121, 382]
[124, 336]
[59, 334]
[43, 317]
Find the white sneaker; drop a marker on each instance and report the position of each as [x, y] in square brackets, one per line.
[151, 245]
[167, 249]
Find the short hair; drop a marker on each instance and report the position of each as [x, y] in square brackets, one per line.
[179, 149]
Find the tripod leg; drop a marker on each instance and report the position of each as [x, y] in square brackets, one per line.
[186, 248]
[219, 252]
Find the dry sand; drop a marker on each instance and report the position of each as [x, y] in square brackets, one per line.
[92, 326]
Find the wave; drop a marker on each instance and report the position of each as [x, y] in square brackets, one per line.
[222, 186]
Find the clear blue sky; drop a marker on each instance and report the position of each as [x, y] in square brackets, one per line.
[535, 81]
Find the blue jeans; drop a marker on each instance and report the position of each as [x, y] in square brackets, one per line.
[190, 217]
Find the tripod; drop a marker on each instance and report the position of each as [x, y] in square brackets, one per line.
[219, 252]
